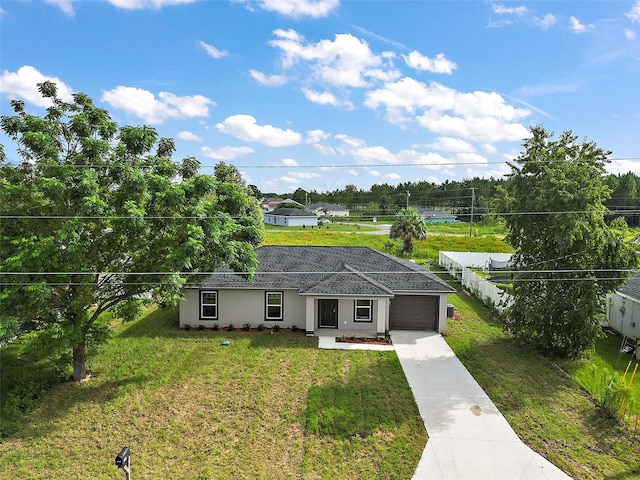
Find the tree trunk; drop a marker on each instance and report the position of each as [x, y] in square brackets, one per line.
[408, 245]
[79, 362]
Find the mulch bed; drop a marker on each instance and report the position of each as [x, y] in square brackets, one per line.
[372, 341]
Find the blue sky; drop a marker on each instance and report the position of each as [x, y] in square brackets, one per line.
[319, 94]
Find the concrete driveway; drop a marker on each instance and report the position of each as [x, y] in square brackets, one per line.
[468, 437]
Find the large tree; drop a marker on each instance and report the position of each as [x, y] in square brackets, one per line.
[566, 256]
[408, 225]
[97, 217]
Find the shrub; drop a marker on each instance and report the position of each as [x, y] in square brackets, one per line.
[294, 328]
[609, 390]
[200, 327]
[246, 327]
[260, 327]
[216, 326]
[230, 327]
[186, 326]
[276, 328]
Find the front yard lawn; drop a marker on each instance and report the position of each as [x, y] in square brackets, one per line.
[270, 405]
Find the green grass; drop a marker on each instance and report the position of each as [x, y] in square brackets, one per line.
[425, 251]
[606, 366]
[270, 405]
[541, 398]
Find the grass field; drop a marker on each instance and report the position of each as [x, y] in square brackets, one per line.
[425, 251]
[271, 405]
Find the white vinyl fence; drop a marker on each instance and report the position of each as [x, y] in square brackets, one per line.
[458, 263]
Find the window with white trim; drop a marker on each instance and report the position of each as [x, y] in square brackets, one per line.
[363, 310]
[209, 305]
[273, 306]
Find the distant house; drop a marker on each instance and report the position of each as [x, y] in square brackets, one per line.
[329, 209]
[319, 289]
[436, 216]
[291, 217]
[270, 204]
[624, 308]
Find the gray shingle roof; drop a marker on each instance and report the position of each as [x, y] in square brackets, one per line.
[332, 271]
[632, 287]
[291, 212]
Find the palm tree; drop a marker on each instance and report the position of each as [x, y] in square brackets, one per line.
[409, 224]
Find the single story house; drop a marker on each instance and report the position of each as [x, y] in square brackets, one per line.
[270, 204]
[291, 217]
[330, 209]
[436, 216]
[624, 308]
[321, 288]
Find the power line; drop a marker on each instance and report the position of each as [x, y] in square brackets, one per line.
[211, 217]
[283, 272]
[281, 166]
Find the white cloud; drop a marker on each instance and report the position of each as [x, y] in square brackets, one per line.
[546, 21]
[346, 61]
[24, 84]
[142, 4]
[490, 149]
[245, 128]
[375, 173]
[326, 98]
[630, 34]
[449, 144]
[502, 10]
[188, 136]
[352, 172]
[145, 105]
[65, 5]
[474, 158]
[623, 166]
[392, 176]
[295, 177]
[481, 116]
[269, 80]
[322, 98]
[422, 63]
[289, 162]
[634, 13]
[315, 136]
[576, 26]
[226, 153]
[213, 51]
[295, 8]
[488, 129]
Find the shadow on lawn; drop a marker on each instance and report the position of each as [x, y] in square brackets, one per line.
[58, 408]
[367, 400]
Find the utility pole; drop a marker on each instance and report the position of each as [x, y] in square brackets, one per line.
[408, 195]
[473, 200]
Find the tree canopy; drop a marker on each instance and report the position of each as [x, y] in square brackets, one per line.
[97, 217]
[408, 225]
[566, 257]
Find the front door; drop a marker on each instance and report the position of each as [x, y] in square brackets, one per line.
[328, 313]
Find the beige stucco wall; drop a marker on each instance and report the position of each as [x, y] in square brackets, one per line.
[248, 306]
[243, 306]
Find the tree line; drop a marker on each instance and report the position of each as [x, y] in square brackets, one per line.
[457, 197]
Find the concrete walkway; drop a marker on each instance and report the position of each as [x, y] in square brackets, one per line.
[468, 437]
